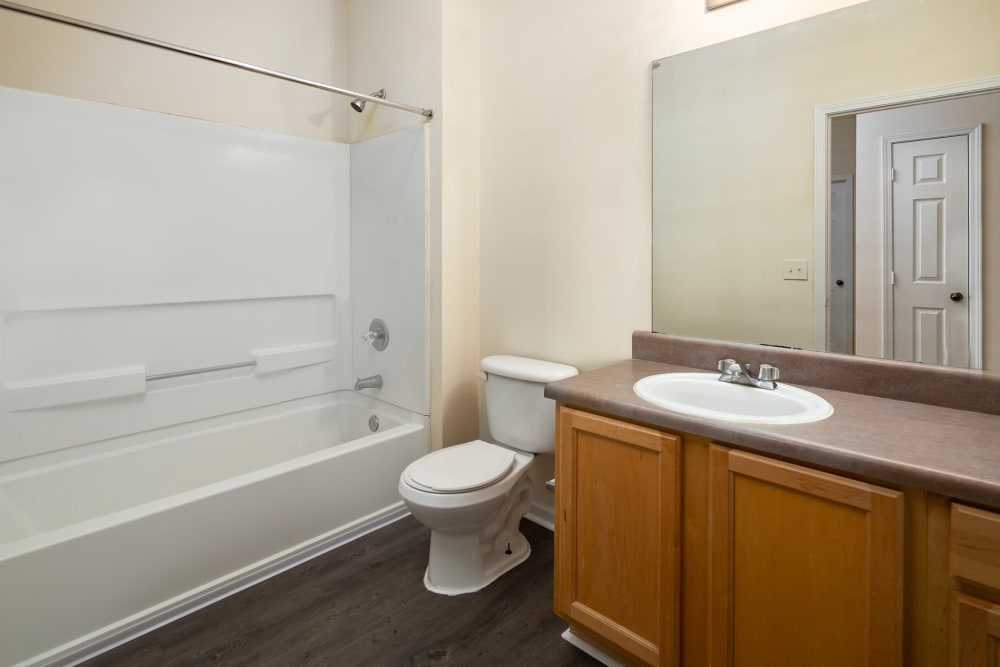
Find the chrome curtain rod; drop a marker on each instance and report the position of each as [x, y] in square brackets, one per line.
[121, 34]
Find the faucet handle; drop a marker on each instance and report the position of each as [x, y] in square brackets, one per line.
[767, 373]
[724, 364]
[377, 334]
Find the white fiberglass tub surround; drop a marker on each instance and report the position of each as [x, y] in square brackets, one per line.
[103, 547]
[181, 305]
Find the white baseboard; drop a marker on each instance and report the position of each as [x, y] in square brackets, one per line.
[590, 649]
[111, 636]
[543, 515]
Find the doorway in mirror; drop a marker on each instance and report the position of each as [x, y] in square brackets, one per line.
[905, 257]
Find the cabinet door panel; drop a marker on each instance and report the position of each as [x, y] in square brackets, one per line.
[806, 567]
[975, 637]
[617, 533]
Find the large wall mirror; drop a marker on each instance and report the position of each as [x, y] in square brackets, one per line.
[834, 184]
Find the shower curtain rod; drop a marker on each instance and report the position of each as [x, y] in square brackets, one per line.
[121, 34]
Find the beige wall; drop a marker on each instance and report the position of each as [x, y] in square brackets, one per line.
[310, 42]
[565, 213]
[460, 236]
[565, 192]
[397, 46]
[688, 26]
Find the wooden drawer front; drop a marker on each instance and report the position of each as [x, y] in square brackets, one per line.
[975, 545]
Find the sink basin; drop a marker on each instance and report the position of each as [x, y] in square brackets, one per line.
[702, 395]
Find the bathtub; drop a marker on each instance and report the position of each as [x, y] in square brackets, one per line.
[124, 537]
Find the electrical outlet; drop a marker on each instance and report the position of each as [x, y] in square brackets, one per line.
[795, 269]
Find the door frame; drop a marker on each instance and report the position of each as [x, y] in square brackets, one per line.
[974, 137]
[848, 180]
[822, 116]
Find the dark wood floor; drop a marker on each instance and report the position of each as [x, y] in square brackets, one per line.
[365, 604]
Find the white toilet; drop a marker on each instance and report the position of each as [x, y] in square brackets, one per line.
[472, 496]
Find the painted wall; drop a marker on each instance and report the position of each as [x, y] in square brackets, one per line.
[309, 42]
[689, 26]
[565, 208]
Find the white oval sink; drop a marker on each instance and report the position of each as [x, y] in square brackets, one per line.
[702, 395]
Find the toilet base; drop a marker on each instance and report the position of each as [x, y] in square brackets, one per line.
[457, 575]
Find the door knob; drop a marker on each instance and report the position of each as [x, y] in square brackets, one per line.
[840, 283]
[956, 296]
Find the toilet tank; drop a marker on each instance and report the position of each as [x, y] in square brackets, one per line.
[517, 412]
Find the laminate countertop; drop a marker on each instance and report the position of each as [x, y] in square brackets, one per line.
[955, 453]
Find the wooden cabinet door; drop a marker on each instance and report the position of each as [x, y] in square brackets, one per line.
[806, 567]
[617, 533]
[975, 634]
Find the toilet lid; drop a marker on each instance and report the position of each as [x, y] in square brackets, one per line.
[462, 467]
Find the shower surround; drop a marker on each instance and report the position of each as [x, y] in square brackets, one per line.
[181, 310]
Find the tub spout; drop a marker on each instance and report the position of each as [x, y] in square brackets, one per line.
[373, 382]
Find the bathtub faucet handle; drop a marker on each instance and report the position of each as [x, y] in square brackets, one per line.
[377, 335]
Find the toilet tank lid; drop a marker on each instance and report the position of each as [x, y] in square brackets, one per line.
[523, 368]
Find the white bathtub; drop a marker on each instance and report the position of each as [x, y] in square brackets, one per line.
[100, 548]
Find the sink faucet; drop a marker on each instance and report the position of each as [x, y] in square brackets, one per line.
[734, 373]
[373, 382]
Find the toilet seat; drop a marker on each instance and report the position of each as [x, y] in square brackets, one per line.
[461, 468]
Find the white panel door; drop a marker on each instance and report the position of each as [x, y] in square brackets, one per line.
[930, 251]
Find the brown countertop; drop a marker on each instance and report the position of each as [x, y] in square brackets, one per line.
[952, 452]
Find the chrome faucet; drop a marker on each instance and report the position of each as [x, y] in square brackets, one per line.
[733, 373]
[373, 382]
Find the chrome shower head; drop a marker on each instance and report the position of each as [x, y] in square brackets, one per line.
[358, 104]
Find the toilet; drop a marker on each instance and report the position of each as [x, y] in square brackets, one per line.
[472, 496]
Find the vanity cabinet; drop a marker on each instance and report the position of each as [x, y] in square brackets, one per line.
[617, 535]
[770, 563]
[805, 567]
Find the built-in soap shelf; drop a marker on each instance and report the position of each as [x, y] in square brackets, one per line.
[134, 380]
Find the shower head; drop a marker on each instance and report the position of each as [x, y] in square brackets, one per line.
[358, 104]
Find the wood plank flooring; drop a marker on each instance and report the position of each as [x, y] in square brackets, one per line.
[365, 604]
